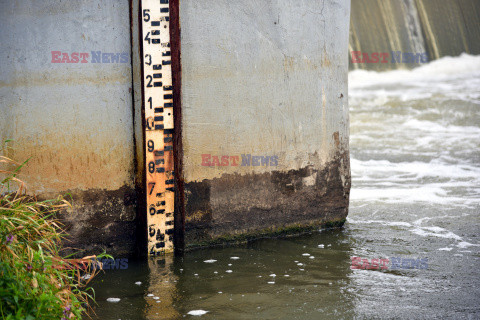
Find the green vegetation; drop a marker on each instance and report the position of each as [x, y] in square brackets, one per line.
[36, 281]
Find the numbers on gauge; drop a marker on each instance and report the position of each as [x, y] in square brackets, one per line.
[146, 15]
[148, 59]
[150, 145]
[151, 167]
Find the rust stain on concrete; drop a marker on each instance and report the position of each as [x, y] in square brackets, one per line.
[326, 61]
[74, 163]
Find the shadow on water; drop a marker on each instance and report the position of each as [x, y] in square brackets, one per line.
[304, 277]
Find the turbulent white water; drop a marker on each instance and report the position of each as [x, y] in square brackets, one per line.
[415, 138]
[415, 159]
[415, 134]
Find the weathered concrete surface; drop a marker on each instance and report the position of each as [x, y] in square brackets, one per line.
[241, 207]
[73, 119]
[268, 79]
[103, 220]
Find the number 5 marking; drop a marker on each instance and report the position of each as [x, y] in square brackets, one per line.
[146, 16]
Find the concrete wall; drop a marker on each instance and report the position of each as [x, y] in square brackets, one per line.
[269, 79]
[265, 78]
[73, 119]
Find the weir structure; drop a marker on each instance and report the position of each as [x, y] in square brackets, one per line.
[256, 142]
[432, 28]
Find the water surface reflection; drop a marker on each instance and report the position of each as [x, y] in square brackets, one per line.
[304, 277]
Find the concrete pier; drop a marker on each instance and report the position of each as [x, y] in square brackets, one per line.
[263, 84]
[264, 117]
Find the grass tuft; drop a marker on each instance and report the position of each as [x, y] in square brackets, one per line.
[36, 281]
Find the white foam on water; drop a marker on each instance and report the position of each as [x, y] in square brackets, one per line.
[210, 261]
[464, 244]
[437, 70]
[402, 171]
[434, 229]
[382, 180]
[432, 232]
[415, 134]
[445, 249]
[379, 222]
[113, 300]
[415, 228]
[234, 258]
[435, 127]
[197, 312]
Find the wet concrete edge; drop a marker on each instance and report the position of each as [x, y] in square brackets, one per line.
[236, 208]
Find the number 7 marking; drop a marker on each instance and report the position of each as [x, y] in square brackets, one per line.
[151, 190]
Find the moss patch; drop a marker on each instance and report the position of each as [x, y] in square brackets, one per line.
[292, 230]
